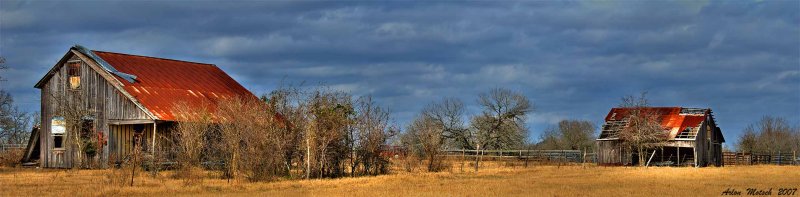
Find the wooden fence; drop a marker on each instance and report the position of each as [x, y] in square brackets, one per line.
[738, 158]
[7, 147]
[541, 156]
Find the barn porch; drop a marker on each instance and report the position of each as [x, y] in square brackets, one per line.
[674, 153]
[126, 137]
[669, 156]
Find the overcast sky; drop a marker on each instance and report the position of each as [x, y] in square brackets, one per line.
[574, 59]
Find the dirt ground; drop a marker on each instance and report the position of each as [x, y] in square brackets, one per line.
[500, 181]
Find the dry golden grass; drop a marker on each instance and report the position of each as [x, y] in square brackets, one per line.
[498, 181]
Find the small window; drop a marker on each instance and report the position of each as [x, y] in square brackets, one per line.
[57, 126]
[58, 141]
[74, 71]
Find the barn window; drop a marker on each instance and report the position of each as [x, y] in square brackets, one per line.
[74, 72]
[57, 129]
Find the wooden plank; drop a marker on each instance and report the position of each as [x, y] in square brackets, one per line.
[127, 122]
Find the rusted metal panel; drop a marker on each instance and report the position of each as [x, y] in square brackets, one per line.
[162, 82]
[674, 119]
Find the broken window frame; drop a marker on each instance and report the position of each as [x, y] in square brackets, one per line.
[74, 74]
[689, 133]
[56, 133]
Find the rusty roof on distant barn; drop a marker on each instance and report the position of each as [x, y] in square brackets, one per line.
[679, 121]
[160, 83]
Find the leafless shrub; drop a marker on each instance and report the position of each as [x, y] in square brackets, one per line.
[424, 138]
[253, 140]
[189, 134]
[11, 157]
[368, 136]
[330, 116]
[119, 176]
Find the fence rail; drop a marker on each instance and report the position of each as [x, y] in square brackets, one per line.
[738, 158]
[7, 147]
[571, 156]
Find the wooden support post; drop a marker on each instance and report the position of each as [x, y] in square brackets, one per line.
[679, 156]
[153, 145]
[651, 159]
[695, 156]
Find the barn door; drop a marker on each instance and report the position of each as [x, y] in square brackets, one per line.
[57, 138]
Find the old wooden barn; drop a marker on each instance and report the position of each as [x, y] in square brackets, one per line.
[694, 139]
[123, 97]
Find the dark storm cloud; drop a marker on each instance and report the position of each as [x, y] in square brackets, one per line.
[574, 59]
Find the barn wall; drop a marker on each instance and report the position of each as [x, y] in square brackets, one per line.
[714, 142]
[610, 152]
[702, 145]
[95, 93]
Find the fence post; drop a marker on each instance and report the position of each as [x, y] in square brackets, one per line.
[583, 162]
[527, 156]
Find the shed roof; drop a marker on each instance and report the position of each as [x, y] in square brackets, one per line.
[676, 120]
[161, 83]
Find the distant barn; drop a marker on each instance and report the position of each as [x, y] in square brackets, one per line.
[693, 138]
[128, 97]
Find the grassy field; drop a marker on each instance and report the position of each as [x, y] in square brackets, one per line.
[500, 181]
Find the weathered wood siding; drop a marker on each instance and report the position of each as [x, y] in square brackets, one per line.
[95, 93]
[120, 140]
[708, 144]
[610, 152]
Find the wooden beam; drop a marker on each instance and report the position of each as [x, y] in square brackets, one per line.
[124, 122]
[153, 145]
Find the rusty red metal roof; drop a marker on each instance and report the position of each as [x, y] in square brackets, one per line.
[673, 119]
[161, 83]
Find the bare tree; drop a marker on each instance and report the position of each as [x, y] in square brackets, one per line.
[288, 103]
[372, 130]
[14, 123]
[643, 130]
[550, 139]
[448, 116]
[425, 136]
[330, 117]
[501, 125]
[569, 134]
[577, 134]
[769, 135]
[747, 141]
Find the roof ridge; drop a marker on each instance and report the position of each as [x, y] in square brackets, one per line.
[152, 57]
